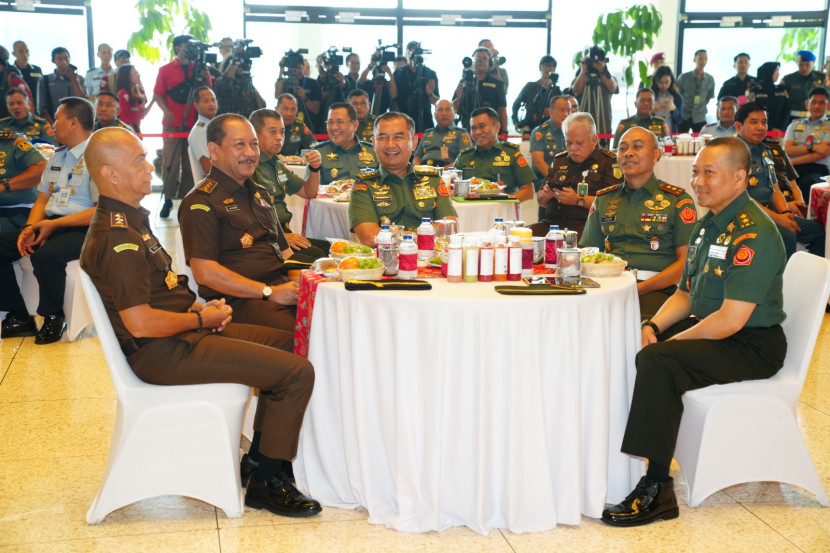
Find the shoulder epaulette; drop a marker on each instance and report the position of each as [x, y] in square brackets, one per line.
[426, 171]
[608, 189]
[316, 145]
[207, 186]
[200, 124]
[672, 189]
[118, 220]
[7, 135]
[658, 119]
[364, 143]
[5, 120]
[744, 219]
[40, 120]
[467, 150]
[561, 154]
[509, 146]
[608, 153]
[545, 125]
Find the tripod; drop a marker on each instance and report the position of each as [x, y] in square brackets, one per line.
[418, 102]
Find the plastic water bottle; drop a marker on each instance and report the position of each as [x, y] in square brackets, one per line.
[426, 239]
[499, 227]
[554, 240]
[408, 258]
[387, 250]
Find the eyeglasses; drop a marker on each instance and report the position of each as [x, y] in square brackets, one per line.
[337, 122]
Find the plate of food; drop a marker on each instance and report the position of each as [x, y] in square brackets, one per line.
[435, 260]
[338, 187]
[356, 268]
[602, 265]
[343, 248]
[484, 187]
[292, 160]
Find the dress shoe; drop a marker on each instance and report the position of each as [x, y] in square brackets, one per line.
[649, 501]
[53, 328]
[18, 326]
[165, 208]
[246, 467]
[279, 497]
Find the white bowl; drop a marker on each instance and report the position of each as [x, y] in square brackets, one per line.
[607, 269]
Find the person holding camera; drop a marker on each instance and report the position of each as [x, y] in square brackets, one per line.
[305, 89]
[531, 106]
[417, 87]
[234, 87]
[64, 82]
[593, 86]
[496, 71]
[479, 89]
[175, 83]
[382, 91]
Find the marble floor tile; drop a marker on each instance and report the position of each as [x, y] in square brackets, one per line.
[85, 346]
[9, 348]
[808, 528]
[356, 537]
[72, 377]
[810, 416]
[46, 500]
[256, 517]
[204, 541]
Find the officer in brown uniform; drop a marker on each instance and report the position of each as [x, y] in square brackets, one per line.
[232, 238]
[169, 338]
[576, 176]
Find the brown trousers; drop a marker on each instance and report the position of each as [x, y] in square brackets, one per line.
[245, 354]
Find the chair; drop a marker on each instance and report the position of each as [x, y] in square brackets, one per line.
[747, 431]
[167, 440]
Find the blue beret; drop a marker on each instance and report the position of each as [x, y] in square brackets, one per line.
[805, 55]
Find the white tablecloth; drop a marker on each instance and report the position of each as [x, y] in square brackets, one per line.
[329, 219]
[294, 203]
[677, 170]
[463, 407]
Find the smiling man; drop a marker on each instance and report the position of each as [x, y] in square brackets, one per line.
[396, 193]
[722, 325]
[442, 144]
[232, 237]
[643, 220]
[643, 118]
[344, 156]
[494, 160]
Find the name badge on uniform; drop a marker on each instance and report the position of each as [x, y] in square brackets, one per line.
[718, 252]
[282, 177]
[294, 138]
[63, 196]
[445, 152]
[582, 189]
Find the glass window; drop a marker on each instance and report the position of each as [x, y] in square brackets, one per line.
[480, 5]
[347, 5]
[715, 6]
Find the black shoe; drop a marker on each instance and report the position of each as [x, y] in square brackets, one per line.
[279, 497]
[649, 501]
[53, 328]
[165, 208]
[246, 467]
[18, 326]
[288, 472]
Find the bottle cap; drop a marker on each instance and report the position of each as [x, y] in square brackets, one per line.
[425, 219]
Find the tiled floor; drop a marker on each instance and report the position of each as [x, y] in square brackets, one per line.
[57, 408]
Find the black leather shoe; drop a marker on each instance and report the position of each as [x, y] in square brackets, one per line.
[165, 208]
[17, 326]
[649, 501]
[53, 328]
[279, 497]
[246, 467]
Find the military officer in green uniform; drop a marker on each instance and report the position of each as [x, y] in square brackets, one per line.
[442, 143]
[107, 109]
[643, 220]
[359, 100]
[23, 121]
[297, 134]
[576, 176]
[281, 181]
[643, 118]
[807, 141]
[787, 176]
[751, 124]
[800, 83]
[21, 166]
[344, 156]
[396, 193]
[494, 160]
[724, 322]
[547, 140]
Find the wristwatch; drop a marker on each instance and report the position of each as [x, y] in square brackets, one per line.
[654, 327]
[581, 201]
[809, 145]
[266, 292]
[6, 185]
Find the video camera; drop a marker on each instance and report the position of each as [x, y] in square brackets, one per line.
[332, 60]
[468, 75]
[293, 58]
[592, 55]
[196, 52]
[417, 54]
[242, 54]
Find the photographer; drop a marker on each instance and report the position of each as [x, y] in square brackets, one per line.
[305, 90]
[593, 87]
[234, 87]
[479, 89]
[496, 71]
[382, 91]
[417, 87]
[175, 84]
[535, 97]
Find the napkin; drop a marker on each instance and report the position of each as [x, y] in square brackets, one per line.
[294, 264]
[388, 284]
[539, 289]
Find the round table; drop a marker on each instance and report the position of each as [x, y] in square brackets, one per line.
[459, 406]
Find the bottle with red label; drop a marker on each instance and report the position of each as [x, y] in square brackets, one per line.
[426, 239]
[514, 258]
[408, 258]
[485, 261]
[554, 240]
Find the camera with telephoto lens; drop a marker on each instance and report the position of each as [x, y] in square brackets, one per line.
[196, 52]
[592, 55]
[467, 74]
[332, 60]
[417, 54]
[242, 54]
[293, 58]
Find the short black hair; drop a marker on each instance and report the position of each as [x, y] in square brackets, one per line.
[723, 99]
[749, 107]
[80, 109]
[343, 105]
[199, 91]
[259, 116]
[738, 156]
[489, 112]
[350, 55]
[216, 128]
[640, 91]
[559, 97]
[820, 91]
[699, 51]
[285, 96]
[547, 59]
[16, 90]
[107, 93]
[59, 50]
[181, 39]
[735, 59]
[357, 92]
[410, 123]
